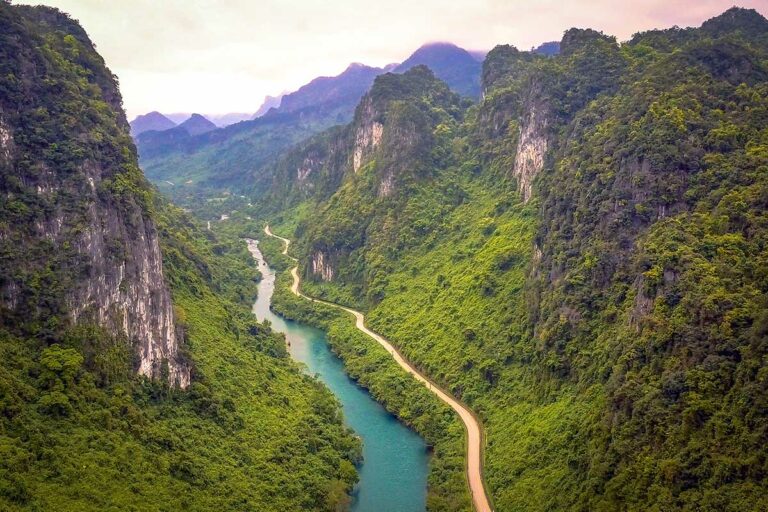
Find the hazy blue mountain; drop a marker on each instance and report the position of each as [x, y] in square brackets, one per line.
[197, 124]
[347, 88]
[152, 121]
[451, 64]
[232, 156]
[269, 102]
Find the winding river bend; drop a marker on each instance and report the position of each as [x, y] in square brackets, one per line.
[393, 476]
[472, 425]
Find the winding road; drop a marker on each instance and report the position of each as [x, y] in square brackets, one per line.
[471, 423]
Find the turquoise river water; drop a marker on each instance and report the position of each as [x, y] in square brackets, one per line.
[393, 475]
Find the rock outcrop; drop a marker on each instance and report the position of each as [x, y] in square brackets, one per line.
[368, 133]
[531, 148]
[321, 266]
[77, 238]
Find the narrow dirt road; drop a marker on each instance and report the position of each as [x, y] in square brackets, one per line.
[472, 424]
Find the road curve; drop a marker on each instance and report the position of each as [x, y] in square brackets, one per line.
[471, 423]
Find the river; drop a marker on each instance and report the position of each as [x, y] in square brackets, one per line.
[393, 475]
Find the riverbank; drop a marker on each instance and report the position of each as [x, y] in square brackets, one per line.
[388, 479]
[405, 391]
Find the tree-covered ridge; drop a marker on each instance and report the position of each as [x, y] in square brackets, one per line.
[650, 280]
[80, 432]
[610, 326]
[77, 240]
[79, 429]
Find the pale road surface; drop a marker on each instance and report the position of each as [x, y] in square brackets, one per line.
[472, 425]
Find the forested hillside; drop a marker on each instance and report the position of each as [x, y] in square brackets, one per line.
[132, 374]
[190, 168]
[580, 257]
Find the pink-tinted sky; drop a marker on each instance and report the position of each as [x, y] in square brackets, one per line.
[218, 56]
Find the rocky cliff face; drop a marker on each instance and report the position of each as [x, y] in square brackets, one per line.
[531, 147]
[77, 238]
[386, 149]
[367, 133]
[321, 266]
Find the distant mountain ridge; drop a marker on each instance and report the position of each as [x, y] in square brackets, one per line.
[347, 87]
[269, 102]
[151, 121]
[232, 157]
[453, 65]
[197, 124]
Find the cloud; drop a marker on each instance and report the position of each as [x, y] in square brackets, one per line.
[217, 56]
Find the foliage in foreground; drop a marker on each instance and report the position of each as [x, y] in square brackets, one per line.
[78, 429]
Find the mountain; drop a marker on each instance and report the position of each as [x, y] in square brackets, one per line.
[347, 88]
[76, 204]
[233, 157]
[187, 168]
[268, 103]
[133, 375]
[454, 65]
[222, 120]
[196, 125]
[152, 121]
[579, 257]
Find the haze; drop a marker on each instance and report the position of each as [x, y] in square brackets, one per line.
[217, 57]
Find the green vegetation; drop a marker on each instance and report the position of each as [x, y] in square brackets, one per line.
[611, 332]
[373, 368]
[194, 169]
[79, 430]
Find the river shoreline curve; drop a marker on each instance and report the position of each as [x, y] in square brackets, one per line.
[474, 430]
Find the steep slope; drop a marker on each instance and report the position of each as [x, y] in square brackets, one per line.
[78, 241]
[152, 121]
[268, 103]
[346, 88]
[89, 261]
[187, 167]
[578, 258]
[197, 124]
[451, 64]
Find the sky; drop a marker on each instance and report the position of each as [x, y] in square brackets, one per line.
[219, 56]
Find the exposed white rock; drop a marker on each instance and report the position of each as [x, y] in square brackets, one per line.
[128, 294]
[368, 134]
[123, 288]
[387, 186]
[6, 142]
[308, 166]
[531, 148]
[321, 266]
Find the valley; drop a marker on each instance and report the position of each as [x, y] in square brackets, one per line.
[474, 430]
[438, 279]
[386, 481]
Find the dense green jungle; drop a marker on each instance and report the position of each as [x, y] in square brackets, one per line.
[579, 254]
